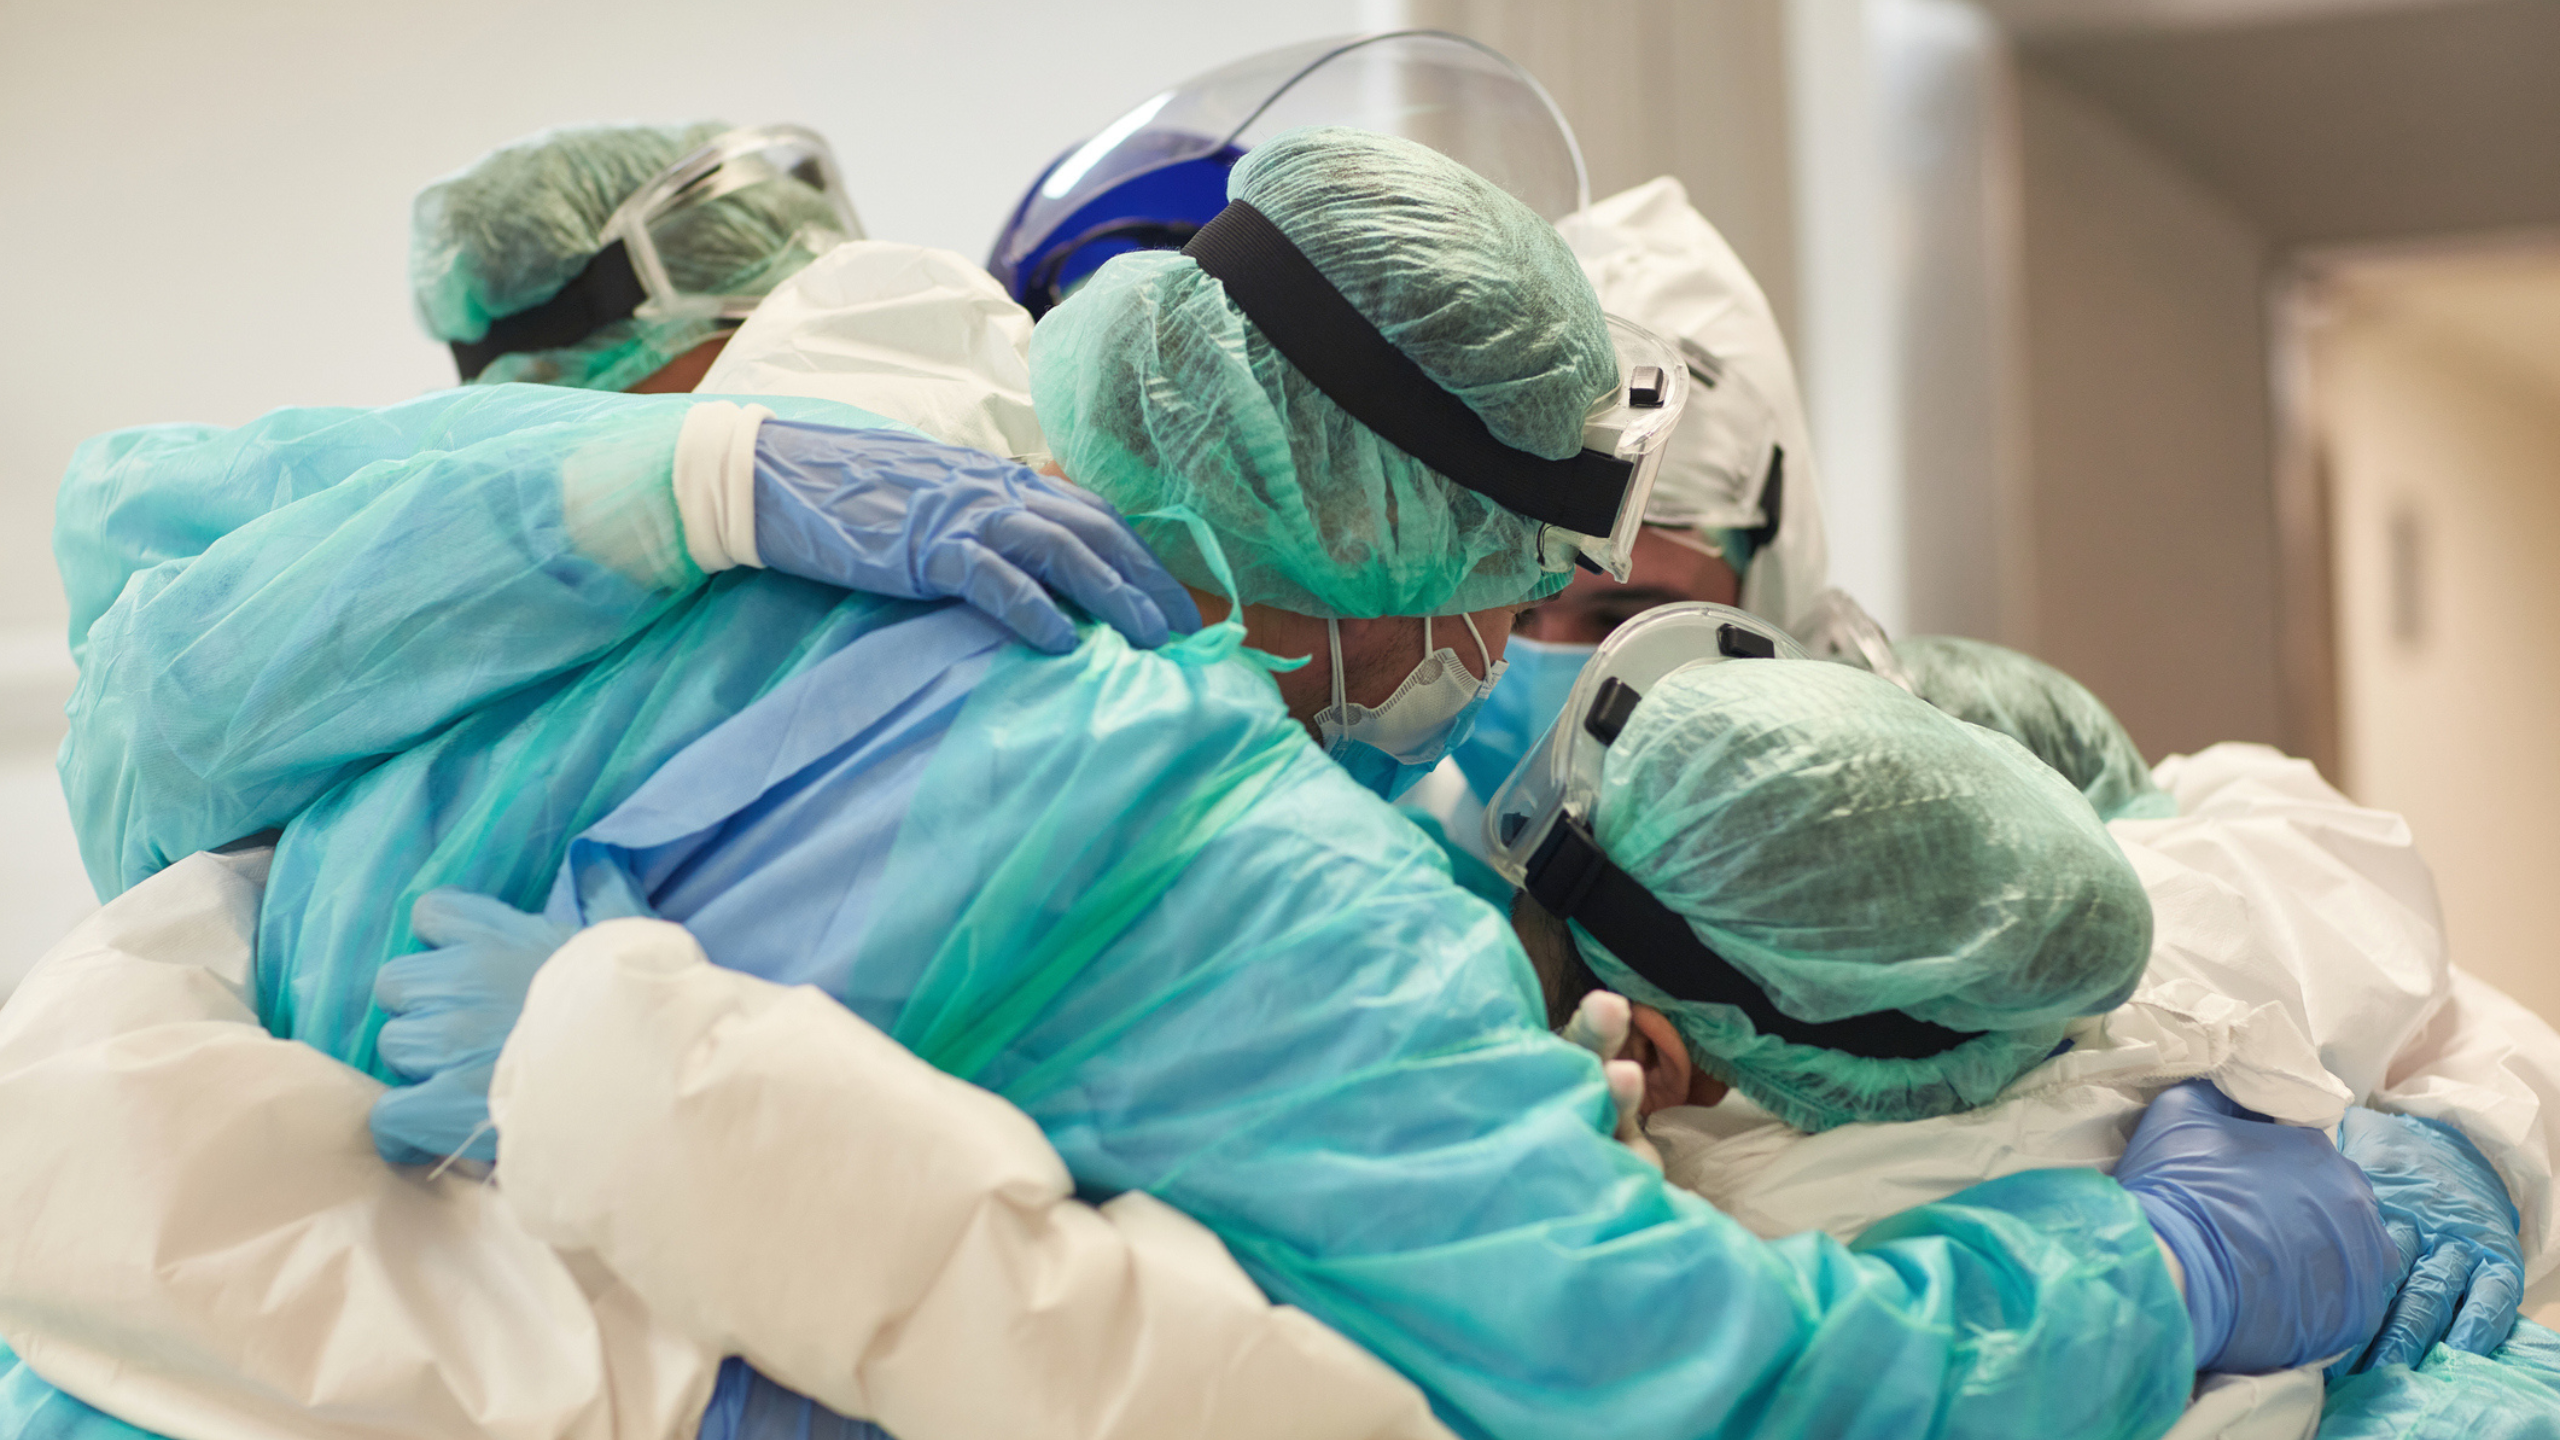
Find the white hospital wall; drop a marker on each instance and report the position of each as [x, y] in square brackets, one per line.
[43, 890]
[2445, 448]
[207, 208]
[1698, 89]
[208, 204]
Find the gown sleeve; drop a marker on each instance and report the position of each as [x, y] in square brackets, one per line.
[260, 613]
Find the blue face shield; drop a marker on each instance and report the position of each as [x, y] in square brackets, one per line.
[1537, 678]
[1389, 749]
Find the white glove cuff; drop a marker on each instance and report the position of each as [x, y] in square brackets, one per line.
[715, 483]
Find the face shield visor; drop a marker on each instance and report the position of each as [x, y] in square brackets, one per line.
[1150, 179]
[631, 274]
[1592, 501]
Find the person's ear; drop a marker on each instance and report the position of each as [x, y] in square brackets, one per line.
[1654, 1042]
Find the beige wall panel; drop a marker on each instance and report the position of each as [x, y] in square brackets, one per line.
[2446, 468]
[2150, 490]
[1693, 88]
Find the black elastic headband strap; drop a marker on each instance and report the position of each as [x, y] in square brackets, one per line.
[607, 290]
[1280, 290]
[1572, 878]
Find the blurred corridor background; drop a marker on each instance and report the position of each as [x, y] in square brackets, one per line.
[2209, 349]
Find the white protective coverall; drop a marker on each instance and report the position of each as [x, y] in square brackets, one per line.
[206, 1244]
[301, 1287]
[2297, 960]
[916, 334]
[1654, 259]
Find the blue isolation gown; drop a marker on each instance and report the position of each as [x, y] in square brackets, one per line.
[457, 642]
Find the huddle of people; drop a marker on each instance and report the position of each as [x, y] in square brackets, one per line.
[803, 853]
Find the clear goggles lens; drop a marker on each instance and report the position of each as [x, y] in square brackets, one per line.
[1561, 772]
[1837, 627]
[1635, 423]
[777, 173]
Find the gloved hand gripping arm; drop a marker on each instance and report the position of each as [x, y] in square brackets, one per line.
[2456, 1230]
[2281, 1245]
[451, 1009]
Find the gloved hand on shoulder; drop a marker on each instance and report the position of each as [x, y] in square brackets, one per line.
[896, 514]
[2448, 1212]
[451, 1009]
[2285, 1257]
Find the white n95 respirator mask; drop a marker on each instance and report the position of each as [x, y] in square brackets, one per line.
[1391, 747]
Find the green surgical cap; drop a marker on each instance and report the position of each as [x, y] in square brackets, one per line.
[1156, 391]
[1852, 850]
[2050, 713]
[504, 234]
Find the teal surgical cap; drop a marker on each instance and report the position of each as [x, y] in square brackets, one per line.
[507, 232]
[1853, 850]
[1155, 391]
[2050, 713]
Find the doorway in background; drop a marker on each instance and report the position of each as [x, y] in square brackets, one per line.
[2422, 494]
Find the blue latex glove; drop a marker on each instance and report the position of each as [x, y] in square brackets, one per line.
[894, 514]
[2457, 1231]
[451, 1009]
[2285, 1254]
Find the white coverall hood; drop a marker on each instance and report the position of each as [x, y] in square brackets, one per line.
[1657, 261]
[922, 336]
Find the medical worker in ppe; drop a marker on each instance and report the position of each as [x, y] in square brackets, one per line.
[656, 258]
[2344, 935]
[1078, 881]
[618, 257]
[918, 334]
[2040, 707]
[1723, 502]
[922, 335]
[1667, 850]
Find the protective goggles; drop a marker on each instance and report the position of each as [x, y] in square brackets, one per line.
[1837, 627]
[629, 276]
[1592, 501]
[1153, 177]
[1538, 833]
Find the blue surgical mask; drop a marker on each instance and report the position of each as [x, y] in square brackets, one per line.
[1536, 682]
[1390, 748]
